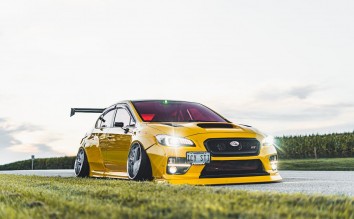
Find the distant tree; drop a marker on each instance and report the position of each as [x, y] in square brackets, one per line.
[41, 164]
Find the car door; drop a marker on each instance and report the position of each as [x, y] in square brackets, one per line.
[94, 151]
[120, 139]
[102, 129]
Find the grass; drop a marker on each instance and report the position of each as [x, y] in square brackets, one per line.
[328, 164]
[55, 197]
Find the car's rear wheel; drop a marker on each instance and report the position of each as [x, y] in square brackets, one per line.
[81, 166]
[138, 163]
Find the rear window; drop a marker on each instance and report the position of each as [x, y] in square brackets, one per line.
[175, 111]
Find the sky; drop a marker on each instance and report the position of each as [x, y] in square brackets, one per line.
[285, 67]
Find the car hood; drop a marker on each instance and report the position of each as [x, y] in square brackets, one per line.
[193, 128]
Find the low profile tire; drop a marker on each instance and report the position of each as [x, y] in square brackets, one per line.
[81, 166]
[138, 164]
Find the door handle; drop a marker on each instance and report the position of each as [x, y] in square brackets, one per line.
[126, 130]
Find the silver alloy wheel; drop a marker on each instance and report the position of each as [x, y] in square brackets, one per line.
[79, 161]
[134, 161]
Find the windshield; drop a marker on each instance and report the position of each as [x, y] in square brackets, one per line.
[175, 111]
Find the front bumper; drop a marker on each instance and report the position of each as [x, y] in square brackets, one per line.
[229, 180]
[194, 174]
[159, 159]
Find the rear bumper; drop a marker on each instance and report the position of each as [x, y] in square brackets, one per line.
[230, 180]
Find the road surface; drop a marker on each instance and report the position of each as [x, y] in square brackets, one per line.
[311, 182]
[61, 173]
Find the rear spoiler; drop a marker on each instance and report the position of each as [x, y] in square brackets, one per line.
[86, 110]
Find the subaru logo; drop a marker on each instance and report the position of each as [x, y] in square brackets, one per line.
[234, 143]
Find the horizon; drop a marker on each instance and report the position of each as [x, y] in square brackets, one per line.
[286, 70]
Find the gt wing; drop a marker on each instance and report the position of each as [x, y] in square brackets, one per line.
[86, 110]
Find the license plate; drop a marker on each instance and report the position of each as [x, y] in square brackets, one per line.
[198, 157]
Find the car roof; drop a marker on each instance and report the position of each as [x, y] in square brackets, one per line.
[147, 100]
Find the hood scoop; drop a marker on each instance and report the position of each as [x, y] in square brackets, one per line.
[215, 125]
[173, 124]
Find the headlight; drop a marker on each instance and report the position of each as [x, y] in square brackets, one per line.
[268, 141]
[172, 141]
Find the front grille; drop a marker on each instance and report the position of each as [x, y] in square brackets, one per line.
[233, 168]
[232, 146]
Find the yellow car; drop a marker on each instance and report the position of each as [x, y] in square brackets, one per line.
[174, 141]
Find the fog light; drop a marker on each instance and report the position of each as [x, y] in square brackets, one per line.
[274, 166]
[273, 160]
[172, 169]
[177, 165]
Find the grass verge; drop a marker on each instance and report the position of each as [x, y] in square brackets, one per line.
[55, 197]
[328, 164]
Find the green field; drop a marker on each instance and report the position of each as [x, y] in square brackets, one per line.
[329, 164]
[55, 197]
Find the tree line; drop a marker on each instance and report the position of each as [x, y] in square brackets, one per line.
[336, 145]
[41, 164]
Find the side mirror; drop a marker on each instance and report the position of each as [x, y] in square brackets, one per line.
[119, 124]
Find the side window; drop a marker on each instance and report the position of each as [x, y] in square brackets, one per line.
[108, 120]
[98, 123]
[123, 116]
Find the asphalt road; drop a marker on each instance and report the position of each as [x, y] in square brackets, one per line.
[311, 182]
[61, 173]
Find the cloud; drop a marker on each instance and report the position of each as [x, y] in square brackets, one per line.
[31, 148]
[339, 105]
[291, 111]
[302, 92]
[44, 148]
[325, 129]
[275, 93]
[295, 116]
[27, 128]
[22, 138]
[6, 138]
[23, 148]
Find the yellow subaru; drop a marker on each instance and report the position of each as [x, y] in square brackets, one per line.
[174, 141]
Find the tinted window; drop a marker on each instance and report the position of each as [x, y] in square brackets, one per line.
[123, 116]
[108, 117]
[175, 111]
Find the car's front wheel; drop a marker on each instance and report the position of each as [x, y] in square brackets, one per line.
[81, 165]
[138, 163]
